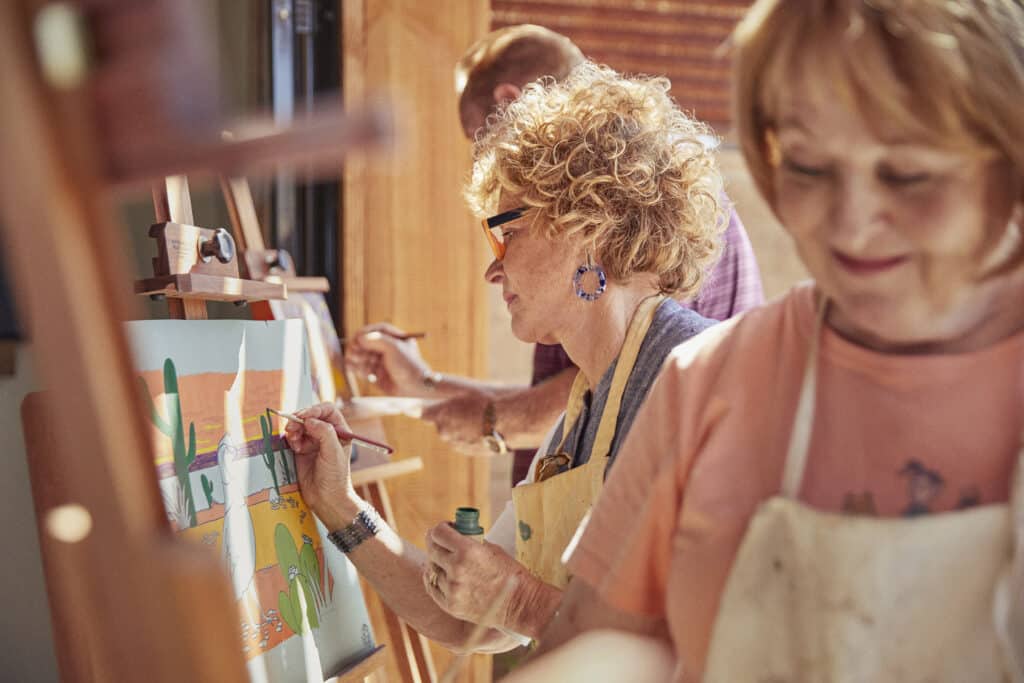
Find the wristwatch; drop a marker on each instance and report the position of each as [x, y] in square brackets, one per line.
[492, 437]
[365, 525]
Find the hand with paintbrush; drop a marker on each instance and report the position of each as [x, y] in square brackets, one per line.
[395, 568]
[463, 411]
[322, 463]
[390, 358]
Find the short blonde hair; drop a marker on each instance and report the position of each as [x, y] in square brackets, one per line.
[613, 162]
[514, 54]
[948, 73]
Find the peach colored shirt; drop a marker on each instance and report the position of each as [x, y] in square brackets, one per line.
[893, 435]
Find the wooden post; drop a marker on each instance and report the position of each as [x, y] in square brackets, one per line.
[412, 251]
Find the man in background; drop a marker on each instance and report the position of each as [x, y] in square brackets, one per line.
[493, 72]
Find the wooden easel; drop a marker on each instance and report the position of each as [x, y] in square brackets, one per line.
[410, 649]
[261, 263]
[123, 590]
[97, 467]
[195, 265]
[180, 260]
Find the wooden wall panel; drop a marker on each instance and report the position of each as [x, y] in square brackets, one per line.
[680, 39]
[413, 254]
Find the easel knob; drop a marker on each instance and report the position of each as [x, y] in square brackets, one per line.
[280, 260]
[220, 245]
[200, 264]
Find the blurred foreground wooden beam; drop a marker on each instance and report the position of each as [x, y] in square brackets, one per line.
[155, 608]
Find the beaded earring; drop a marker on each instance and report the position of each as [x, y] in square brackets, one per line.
[577, 280]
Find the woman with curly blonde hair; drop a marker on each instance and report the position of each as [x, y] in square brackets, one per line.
[603, 202]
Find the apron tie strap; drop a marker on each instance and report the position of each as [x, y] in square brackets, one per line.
[803, 421]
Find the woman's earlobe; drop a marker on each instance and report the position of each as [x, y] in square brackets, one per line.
[1007, 251]
[599, 281]
[506, 92]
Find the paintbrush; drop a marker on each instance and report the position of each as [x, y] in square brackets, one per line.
[477, 634]
[363, 442]
[377, 334]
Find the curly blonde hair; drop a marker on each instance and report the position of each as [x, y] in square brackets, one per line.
[612, 161]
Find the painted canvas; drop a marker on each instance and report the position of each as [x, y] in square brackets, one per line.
[327, 363]
[229, 482]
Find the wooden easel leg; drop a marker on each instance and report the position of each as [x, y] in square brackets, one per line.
[421, 651]
[411, 649]
[172, 201]
[187, 309]
[77, 652]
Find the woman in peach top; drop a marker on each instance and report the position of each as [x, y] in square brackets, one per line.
[821, 489]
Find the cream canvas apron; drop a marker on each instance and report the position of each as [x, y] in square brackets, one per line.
[823, 597]
[549, 510]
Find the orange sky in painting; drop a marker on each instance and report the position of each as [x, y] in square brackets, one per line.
[202, 402]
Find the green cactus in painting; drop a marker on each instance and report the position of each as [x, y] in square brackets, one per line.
[284, 467]
[302, 572]
[269, 459]
[285, 470]
[173, 429]
[208, 490]
[309, 565]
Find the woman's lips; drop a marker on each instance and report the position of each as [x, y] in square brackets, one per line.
[868, 266]
[509, 298]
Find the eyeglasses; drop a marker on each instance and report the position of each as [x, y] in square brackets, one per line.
[494, 237]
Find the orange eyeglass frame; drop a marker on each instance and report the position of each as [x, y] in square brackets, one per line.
[488, 224]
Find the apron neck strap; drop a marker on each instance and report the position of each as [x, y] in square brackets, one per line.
[635, 335]
[803, 420]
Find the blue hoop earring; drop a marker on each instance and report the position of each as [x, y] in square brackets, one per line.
[577, 281]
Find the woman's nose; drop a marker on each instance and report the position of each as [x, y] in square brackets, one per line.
[494, 273]
[858, 213]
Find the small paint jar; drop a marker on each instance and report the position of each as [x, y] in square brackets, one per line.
[467, 523]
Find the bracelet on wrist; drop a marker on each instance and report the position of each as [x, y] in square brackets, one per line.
[492, 437]
[366, 524]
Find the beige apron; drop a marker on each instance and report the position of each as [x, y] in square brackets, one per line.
[549, 510]
[824, 597]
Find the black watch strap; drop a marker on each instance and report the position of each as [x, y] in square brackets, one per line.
[365, 525]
